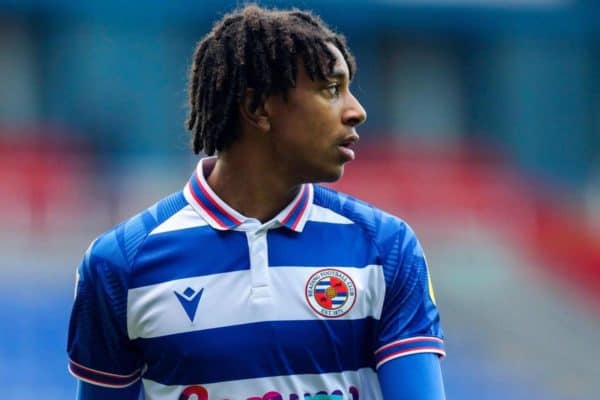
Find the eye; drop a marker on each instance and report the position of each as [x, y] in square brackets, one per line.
[333, 89]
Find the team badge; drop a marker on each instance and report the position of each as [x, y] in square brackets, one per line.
[330, 292]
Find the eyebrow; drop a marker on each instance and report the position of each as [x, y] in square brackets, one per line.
[337, 74]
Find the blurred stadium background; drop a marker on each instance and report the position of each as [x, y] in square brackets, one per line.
[483, 133]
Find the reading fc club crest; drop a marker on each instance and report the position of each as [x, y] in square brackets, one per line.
[330, 292]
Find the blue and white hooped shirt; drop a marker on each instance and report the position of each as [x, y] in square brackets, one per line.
[195, 299]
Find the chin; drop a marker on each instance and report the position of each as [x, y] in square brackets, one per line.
[331, 175]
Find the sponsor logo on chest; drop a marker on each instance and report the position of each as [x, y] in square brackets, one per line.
[201, 393]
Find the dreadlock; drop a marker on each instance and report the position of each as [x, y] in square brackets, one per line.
[259, 49]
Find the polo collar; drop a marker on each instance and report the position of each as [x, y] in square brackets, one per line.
[221, 216]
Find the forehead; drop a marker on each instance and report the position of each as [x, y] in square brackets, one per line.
[340, 70]
[340, 67]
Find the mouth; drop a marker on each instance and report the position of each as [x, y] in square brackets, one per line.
[345, 147]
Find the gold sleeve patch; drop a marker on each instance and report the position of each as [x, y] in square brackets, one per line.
[76, 282]
[431, 291]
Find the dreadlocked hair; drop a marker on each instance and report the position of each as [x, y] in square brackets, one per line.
[253, 48]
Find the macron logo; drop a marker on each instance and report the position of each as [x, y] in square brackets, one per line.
[189, 300]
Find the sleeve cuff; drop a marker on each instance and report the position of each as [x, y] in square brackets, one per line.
[101, 378]
[405, 347]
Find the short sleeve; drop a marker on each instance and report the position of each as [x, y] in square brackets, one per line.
[410, 321]
[99, 349]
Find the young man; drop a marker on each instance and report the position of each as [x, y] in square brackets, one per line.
[253, 282]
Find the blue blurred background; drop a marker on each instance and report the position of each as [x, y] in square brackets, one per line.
[483, 133]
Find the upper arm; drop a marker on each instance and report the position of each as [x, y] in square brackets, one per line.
[409, 324]
[414, 377]
[100, 352]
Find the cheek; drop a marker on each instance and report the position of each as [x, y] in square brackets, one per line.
[309, 122]
[289, 118]
[319, 123]
[295, 127]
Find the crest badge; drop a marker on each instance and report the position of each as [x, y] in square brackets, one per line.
[330, 292]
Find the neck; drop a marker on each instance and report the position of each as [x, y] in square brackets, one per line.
[251, 185]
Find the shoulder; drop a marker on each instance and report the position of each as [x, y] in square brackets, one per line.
[378, 224]
[118, 247]
[395, 240]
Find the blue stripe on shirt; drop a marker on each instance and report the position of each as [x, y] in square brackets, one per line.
[188, 253]
[318, 245]
[258, 350]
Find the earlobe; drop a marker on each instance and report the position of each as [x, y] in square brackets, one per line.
[257, 117]
[264, 122]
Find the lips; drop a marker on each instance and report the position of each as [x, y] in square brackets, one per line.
[347, 153]
[346, 145]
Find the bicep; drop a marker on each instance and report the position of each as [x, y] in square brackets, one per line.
[414, 377]
[99, 348]
[87, 391]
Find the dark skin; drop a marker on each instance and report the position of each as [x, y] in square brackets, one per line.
[285, 143]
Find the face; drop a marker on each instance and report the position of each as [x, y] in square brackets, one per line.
[313, 131]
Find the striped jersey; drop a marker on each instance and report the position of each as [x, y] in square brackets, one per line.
[195, 299]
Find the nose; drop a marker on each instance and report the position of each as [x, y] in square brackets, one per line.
[354, 113]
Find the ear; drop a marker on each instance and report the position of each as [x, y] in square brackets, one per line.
[258, 117]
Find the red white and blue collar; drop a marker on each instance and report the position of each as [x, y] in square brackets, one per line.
[221, 216]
